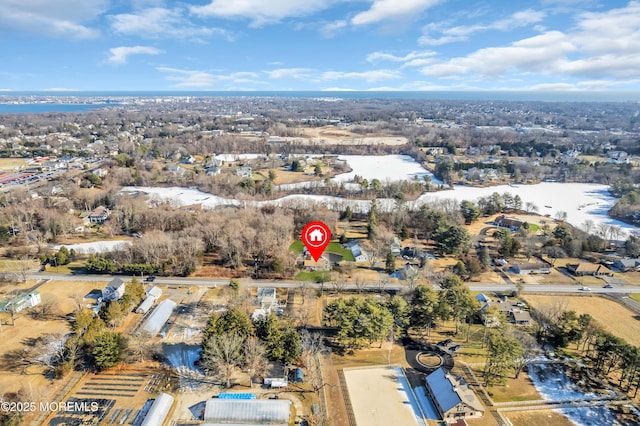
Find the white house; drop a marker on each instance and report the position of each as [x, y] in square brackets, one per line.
[99, 215]
[359, 255]
[114, 290]
[20, 302]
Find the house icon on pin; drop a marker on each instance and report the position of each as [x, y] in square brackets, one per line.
[316, 236]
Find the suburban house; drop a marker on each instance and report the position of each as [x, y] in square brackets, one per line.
[323, 264]
[509, 222]
[244, 172]
[99, 215]
[410, 271]
[114, 290]
[267, 298]
[358, 254]
[520, 317]
[526, 268]
[514, 312]
[626, 265]
[20, 302]
[581, 269]
[452, 396]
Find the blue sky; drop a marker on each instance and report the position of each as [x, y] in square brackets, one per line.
[319, 45]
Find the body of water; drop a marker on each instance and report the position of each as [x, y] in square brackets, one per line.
[39, 108]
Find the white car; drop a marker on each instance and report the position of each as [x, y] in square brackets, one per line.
[583, 288]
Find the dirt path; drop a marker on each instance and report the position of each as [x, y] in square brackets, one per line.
[335, 399]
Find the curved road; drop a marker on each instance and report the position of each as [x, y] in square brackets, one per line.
[213, 282]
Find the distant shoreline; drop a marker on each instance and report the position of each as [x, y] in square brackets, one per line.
[506, 96]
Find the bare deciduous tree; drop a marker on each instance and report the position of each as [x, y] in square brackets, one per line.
[255, 358]
[222, 354]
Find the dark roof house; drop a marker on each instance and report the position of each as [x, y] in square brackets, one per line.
[452, 396]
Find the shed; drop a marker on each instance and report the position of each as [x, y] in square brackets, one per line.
[158, 411]
[248, 412]
[154, 292]
[298, 375]
[145, 305]
[159, 317]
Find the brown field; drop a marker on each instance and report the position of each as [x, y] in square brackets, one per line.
[537, 418]
[61, 294]
[610, 315]
[10, 164]
[330, 135]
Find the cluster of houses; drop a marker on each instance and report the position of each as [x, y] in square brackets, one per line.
[515, 312]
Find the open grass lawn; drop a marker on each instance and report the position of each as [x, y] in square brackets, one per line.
[610, 315]
[72, 267]
[635, 296]
[313, 276]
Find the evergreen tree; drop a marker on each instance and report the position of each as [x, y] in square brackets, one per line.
[109, 349]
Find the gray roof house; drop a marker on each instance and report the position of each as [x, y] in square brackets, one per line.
[452, 396]
[626, 265]
[114, 290]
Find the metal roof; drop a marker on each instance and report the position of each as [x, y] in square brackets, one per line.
[257, 412]
[159, 317]
[443, 390]
[158, 411]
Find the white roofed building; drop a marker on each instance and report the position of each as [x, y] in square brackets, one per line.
[159, 317]
[158, 411]
[275, 412]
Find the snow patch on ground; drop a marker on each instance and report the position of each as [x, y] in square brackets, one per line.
[384, 168]
[95, 247]
[581, 201]
[553, 384]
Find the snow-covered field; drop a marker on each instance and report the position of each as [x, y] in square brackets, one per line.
[237, 157]
[581, 201]
[95, 247]
[553, 384]
[384, 168]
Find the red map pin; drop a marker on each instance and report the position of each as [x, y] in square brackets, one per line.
[316, 237]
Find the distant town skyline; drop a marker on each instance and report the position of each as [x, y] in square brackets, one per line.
[404, 45]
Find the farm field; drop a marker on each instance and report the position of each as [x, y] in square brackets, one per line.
[10, 164]
[538, 418]
[610, 315]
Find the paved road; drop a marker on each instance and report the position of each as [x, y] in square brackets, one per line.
[213, 282]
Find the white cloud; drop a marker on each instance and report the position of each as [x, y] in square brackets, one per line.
[535, 54]
[461, 33]
[392, 9]
[289, 73]
[331, 29]
[411, 59]
[261, 12]
[205, 79]
[119, 55]
[601, 46]
[159, 22]
[59, 18]
[368, 76]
